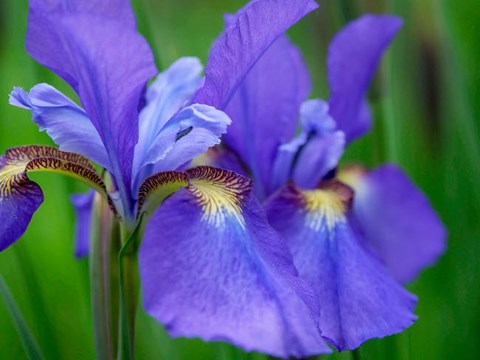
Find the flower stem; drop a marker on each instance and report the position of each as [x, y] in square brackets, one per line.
[129, 284]
[104, 247]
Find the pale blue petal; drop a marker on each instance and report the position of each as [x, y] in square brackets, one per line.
[188, 134]
[167, 94]
[320, 155]
[64, 121]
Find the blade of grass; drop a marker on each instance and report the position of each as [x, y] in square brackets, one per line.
[29, 343]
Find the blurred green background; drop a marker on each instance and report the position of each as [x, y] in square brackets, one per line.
[426, 101]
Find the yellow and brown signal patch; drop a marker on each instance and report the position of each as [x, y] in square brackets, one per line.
[326, 206]
[219, 193]
[18, 162]
[156, 188]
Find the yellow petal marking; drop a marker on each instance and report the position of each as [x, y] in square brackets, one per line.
[327, 206]
[220, 194]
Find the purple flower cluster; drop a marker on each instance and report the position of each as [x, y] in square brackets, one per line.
[271, 246]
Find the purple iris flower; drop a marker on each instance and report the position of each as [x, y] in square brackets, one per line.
[355, 235]
[210, 264]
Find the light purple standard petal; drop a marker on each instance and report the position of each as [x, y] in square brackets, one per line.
[397, 220]
[359, 300]
[264, 110]
[170, 91]
[353, 56]
[16, 207]
[313, 153]
[82, 204]
[105, 60]
[64, 121]
[211, 267]
[189, 133]
[320, 155]
[256, 27]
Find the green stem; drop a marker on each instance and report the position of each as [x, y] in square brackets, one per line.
[356, 354]
[129, 285]
[104, 247]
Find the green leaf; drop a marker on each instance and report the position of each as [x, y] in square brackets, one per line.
[28, 340]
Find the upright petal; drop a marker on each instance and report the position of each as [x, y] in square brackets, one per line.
[170, 91]
[64, 121]
[359, 300]
[313, 153]
[225, 274]
[119, 10]
[319, 156]
[188, 134]
[353, 56]
[397, 220]
[235, 52]
[284, 162]
[97, 50]
[264, 109]
[82, 204]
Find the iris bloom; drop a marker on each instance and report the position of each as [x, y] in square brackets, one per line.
[210, 264]
[355, 234]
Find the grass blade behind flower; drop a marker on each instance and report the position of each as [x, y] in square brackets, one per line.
[30, 344]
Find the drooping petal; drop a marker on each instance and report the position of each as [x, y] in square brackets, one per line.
[97, 50]
[359, 300]
[353, 56]
[235, 52]
[82, 203]
[20, 197]
[396, 219]
[264, 109]
[224, 274]
[16, 207]
[156, 188]
[187, 134]
[168, 93]
[64, 121]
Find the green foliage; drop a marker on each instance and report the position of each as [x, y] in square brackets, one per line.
[426, 101]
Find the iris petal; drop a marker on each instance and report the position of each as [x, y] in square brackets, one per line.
[16, 208]
[397, 220]
[221, 157]
[320, 155]
[20, 197]
[264, 109]
[313, 153]
[353, 56]
[64, 121]
[224, 274]
[359, 300]
[243, 43]
[187, 134]
[167, 94]
[100, 54]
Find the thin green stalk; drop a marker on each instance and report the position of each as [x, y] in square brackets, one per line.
[28, 340]
[129, 285]
[356, 354]
[104, 278]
